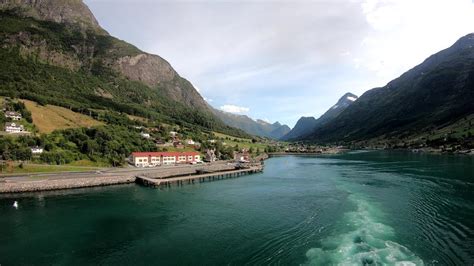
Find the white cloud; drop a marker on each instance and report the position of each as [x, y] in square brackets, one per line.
[208, 100]
[298, 52]
[405, 32]
[230, 108]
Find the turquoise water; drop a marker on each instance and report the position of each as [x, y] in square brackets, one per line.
[369, 208]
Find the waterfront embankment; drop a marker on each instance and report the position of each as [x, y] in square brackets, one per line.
[112, 176]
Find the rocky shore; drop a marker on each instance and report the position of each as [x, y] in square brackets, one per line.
[45, 185]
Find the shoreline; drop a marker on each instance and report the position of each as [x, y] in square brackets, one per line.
[14, 185]
[62, 184]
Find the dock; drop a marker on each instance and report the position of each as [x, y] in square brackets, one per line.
[198, 178]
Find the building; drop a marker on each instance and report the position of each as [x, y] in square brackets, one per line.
[242, 156]
[152, 159]
[190, 142]
[14, 127]
[13, 115]
[178, 145]
[145, 135]
[36, 150]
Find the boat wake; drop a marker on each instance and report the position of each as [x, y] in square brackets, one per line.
[366, 242]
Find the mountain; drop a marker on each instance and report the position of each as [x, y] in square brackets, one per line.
[54, 51]
[258, 128]
[59, 11]
[432, 95]
[307, 125]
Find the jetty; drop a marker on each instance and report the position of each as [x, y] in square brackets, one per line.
[198, 178]
[164, 176]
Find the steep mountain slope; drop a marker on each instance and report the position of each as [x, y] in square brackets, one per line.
[257, 128]
[307, 125]
[438, 92]
[279, 131]
[60, 11]
[54, 51]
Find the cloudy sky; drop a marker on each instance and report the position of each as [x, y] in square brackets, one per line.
[281, 59]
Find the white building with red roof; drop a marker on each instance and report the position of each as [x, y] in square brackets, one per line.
[152, 159]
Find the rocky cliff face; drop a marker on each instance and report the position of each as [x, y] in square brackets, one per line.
[60, 11]
[100, 48]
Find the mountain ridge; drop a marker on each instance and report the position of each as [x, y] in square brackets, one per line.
[89, 68]
[256, 127]
[305, 125]
[436, 92]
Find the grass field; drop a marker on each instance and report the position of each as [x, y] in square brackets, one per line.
[49, 118]
[241, 142]
[40, 168]
[137, 118]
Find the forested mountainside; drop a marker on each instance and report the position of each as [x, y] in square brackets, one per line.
[55, 52]
[432, 95]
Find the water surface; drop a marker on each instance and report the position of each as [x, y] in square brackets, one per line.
[357, 208]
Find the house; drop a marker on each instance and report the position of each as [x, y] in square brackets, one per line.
[14, 127]
[178, 145]
[145, 135]
[190, 142]
[242, 156]
[210, 155]
[36, 150]
[152, 159]
[173, 134]
[13, 115]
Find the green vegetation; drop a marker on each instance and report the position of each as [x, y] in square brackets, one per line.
[109, 145]
[25, 168]
[94, 86]
[48, 118]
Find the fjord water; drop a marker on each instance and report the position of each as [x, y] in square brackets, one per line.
[359, 208]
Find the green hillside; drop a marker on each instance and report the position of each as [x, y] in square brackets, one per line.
[58, 64]
[431, 96]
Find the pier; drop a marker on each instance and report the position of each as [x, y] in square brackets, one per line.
[198, 178]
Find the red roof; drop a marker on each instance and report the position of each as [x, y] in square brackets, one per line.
[158, 154]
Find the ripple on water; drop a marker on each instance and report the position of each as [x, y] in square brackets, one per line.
[364, 241]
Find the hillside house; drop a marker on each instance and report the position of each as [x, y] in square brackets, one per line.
[178, 145]
[152, 159]
[242, 156]
[13, 115]
[190, 142]
[36, 150]
[145, 135]
[14, 127]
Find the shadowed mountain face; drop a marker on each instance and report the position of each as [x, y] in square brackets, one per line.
[436, 93]
[258, 128]
[306, 125]
[90, 68]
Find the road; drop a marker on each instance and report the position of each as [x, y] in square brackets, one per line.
[108, 172]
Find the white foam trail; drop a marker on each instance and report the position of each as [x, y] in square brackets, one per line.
[366, 242]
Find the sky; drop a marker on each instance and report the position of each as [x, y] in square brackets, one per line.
[278, 60]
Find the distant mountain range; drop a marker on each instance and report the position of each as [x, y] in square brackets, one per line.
[432, 95]
[306, 125]
[254, 127]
